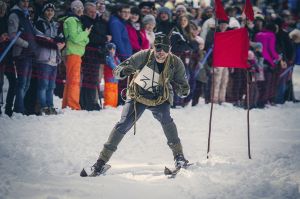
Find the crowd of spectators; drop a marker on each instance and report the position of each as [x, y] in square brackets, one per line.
[68, 51]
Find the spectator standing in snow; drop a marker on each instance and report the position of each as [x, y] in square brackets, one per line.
[76, 41]
[48, 57]
[7, 67]
[221, 75]
[117, 26]
[91, 59]
[23, 50]
[271, 61]
[111, 83]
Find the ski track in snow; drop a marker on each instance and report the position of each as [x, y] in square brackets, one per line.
[41, 157]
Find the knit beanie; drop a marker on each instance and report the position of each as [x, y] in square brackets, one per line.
[149, 4]
[148, 19]
[181, 7]
[110, 46]
[135, 10]
[164, 10]
[48, 5]
[76, 4]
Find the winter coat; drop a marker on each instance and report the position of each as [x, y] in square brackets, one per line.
[47, 55]
[94, 51]
[4, 24]
[4, 44]
[94, 54]
[102, 30]
[138, 38]
[206, 27]
[180, 43]
[97, 37]
[164, 27]
[297, 57]
[76, 37]
[175, 75]
[17, 21]
[284, 45]
[268, 40]
[111, 64]
[120, 37]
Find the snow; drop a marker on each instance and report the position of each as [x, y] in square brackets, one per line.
[41, 157]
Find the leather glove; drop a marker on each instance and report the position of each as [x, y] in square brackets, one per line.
[184, 94]
[127, 70]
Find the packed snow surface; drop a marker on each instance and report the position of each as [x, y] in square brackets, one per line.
[41, 156]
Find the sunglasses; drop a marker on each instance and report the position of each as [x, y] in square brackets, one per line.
[160, 47]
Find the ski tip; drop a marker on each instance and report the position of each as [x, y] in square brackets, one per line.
[83, 173]
[167, 171]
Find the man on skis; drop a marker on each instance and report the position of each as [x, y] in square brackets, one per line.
[150, 88]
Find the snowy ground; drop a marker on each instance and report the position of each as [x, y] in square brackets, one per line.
[41, 157]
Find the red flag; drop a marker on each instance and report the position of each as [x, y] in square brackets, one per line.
[220, 12]
[231, 49]
[248, 10]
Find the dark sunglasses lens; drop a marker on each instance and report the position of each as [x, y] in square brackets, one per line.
[166, 48]
[158, 49]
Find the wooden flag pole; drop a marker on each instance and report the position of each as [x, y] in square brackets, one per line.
[248, 113]
[211, 109]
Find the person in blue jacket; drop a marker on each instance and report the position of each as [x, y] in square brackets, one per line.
[117, 28]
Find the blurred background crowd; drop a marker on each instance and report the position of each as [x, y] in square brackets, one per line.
[69, 49]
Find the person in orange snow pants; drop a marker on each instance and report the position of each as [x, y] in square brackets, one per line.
[72, 85]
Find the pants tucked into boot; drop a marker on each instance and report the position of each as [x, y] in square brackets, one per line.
[171, 133]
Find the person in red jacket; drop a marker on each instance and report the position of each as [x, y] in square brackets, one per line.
[137, 34]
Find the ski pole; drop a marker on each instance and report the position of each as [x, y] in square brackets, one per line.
[211, 111]
[204, 61]
[12, 42]
[248, 114]
[286, 72]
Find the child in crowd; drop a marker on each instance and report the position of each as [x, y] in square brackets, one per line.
[111, 84]
[48, 57]
[254, 76]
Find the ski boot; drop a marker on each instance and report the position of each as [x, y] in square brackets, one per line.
[180, 161]
[97, 168]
